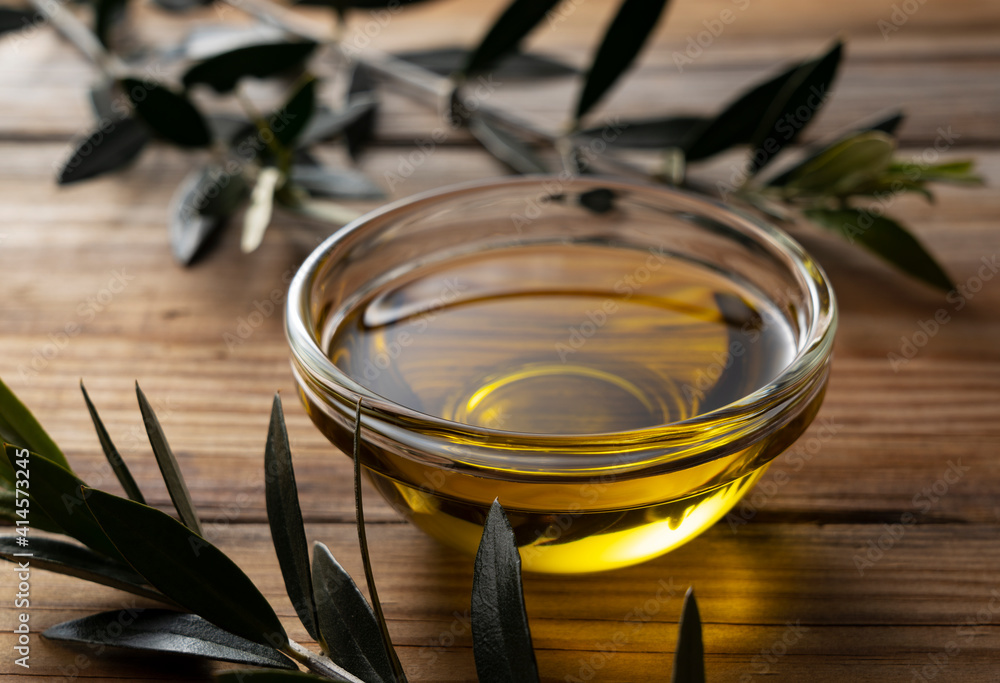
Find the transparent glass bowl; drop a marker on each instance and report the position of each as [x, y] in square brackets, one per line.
[584, 501]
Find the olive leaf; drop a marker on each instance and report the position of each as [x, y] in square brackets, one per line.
[885, 123]
[200, 207]
[294, 116]
[959, 172]
[622, 41]
[111, 453]
[170, 114]
[223, 71]
[107, 13]
[885, 238]
[843, 167]
[326, 123]
[511, 151]
[181, 5]
[258, 214]
[350, 629]
[506, 33]
[160, 630]
[171, 471]
[322, 181]
[361, 131]
[365, 558]
[514, 66]
[501, 636]
[689, 662]
[737, 123]
[110, 147]
[656, 133]
[73, 560]
[20, 428]
[186, 568]
[57, 492]
[794, 106]
[17, 20]
[285, 519]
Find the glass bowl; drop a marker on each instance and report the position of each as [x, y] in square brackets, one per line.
[617, 363]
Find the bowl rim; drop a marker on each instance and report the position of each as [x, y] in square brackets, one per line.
[810, 359]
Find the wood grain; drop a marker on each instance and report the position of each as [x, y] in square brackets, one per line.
[783, 583]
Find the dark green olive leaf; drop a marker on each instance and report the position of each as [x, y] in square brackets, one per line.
[365, 558]
[327, 124]
[795, 105]
[350, 630]
[20, 428]
[515, 66]
[273, 676]
[599, 200]
[500, 632]
[689, 662]
[160, 630]
[885, 123]
[107, 13]
[739, 120]
[10, 512]
[622, 41]
[506, 33]
[181, 5]
[111, 453]
[222, 72]
[73, 560]
[336, 183]
[109, 148]
[17, 20]
[843, 166]
[885, 238]
[57, 492]
[171, 471]
[186, 568]
[285, 518]
[360, 132]
[200, 207]
[170, 114]
[291, 120]
[512, 152]
[660, 133]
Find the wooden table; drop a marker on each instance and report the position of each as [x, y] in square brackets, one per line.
[786, 596]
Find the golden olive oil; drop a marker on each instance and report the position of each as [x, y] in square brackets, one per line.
[563, 339]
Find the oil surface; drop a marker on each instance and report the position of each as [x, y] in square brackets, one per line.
[563, 339]
[620, 340]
